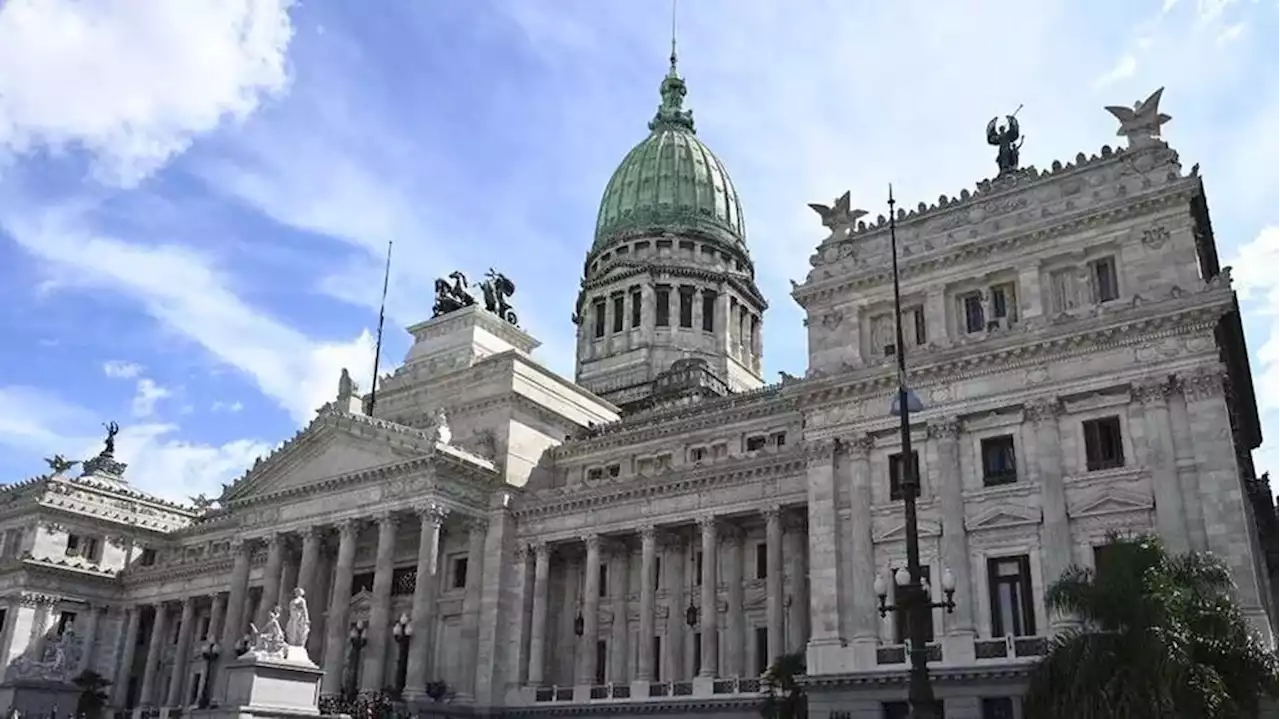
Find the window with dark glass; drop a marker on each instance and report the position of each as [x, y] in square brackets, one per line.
[686, 307]
[762, 560]
[362, 582]
[762, 650]
[697, 653]
[900, 630]
[657, 657]
[403, 580]
[999, 464]
[1103, 446]
[1102, 554]
[755, 443]
[1012, 606]
[708, 311]
[997, 708]
[779, 439]
[619, 312]
[602, 660]
[595, 473]
[459, 572]
[147, 558]
[697, 568]
[896, 474]
[613, 470]
[1105, 287]
[65, 619]
[917, 322]
[598, 313]
[602, 586]
[973, 316]
[657, 574]
[697, 454]
[635, 307]
[662, 306]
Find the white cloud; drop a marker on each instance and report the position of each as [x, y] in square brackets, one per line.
[148, 393]
[130, 82]
[230, 407]
[119, 369]
[1255, 273]
[37, 423]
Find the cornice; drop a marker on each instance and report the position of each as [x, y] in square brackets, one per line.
[941, 674]
[622, 270]
[838, 283]
[1053, 342]
[678, 481]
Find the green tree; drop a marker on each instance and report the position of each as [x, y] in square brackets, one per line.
[93, 693]
[783, 696]
[1160, 636]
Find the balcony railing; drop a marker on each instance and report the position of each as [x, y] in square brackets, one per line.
[1010, 647]
[899, 653]
[656, 690]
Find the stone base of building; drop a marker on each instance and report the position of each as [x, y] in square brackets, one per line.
[875, 695]
[38, 696]
[259, 687]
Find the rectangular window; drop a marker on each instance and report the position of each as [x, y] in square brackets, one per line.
[779, 439]
[999, 465]
[997, 708]
[1103, 274]
[598, 310]
[900, 629]
[697, 568]
[657, 574]
[362, 582]
[619, 310]
[89, 550]
[762, 560]
[686, 307]
[147, 558]
[657, 658]
[697, 454]
[594, 473]
[635, 308]
[602, 660]
[697, 653]
[762, 650]
[971, 306]
[602, 586]
[902, 710]
[896, 477]
[1103, 446]
[1101, 555]
[917, 324]
[613, 470]
[459, 572]
[73, 545]
[1012, 607]
[756, 443]
[708, 311]
[64, 620]
[662, 306]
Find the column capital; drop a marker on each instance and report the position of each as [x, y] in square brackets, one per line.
[188, 601]
[476, 525]
[795, 521]
[541, 550]
[348, 527]
[944, 428]
[771, 512]
[431, 513]
[858, 446]
[1152, 390]
[730, 532]
[672, 539]
[1202, 382]
[647, 532]
[707, 523]
[387, 517]
[240, 545]
[273, 539]
[818, 451]
[312, 532]
[592, 541]
[1043, 409]
[520, 552]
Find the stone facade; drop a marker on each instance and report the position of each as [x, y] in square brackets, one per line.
[504, 534]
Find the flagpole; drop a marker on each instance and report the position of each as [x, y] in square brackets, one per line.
[377, 348]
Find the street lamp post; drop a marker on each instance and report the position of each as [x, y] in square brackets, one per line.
[402, 632]
[209, 652]
[912, 598]
[359, 637]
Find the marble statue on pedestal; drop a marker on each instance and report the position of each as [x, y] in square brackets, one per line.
[298, 628]
[268, 642]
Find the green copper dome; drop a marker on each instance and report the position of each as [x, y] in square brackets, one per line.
[671, 181]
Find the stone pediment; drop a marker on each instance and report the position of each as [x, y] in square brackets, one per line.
[1110, 501]
[898, 532]
[322, 451]
[1003, 517]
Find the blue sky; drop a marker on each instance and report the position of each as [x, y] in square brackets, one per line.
[195, 196]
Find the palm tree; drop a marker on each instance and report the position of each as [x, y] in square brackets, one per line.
[784, 697]
[1160, 637]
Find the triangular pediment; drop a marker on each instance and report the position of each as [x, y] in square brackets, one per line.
[898, 532]
[1111, 501]
[1003, 516]
[322, 451]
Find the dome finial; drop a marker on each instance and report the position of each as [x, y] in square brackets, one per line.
[671, 113]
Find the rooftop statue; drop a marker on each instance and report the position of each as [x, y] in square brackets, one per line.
[347, 389]
[109, 444]
[838, 218]
[1008, 138]
[497, 289]
[60, 464]
[1141, 125]
[451, 297]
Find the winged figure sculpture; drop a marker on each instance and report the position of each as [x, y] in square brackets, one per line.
[1141, 123]
[838, 217]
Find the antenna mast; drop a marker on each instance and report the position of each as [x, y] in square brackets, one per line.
[377, 348]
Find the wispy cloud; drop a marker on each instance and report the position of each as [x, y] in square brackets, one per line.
[119, 369]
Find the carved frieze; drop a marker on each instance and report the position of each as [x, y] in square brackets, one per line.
[1152, 390]
[1043, 409]
[1203, 383]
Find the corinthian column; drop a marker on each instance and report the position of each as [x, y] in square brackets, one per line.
[430, 517]
[159, 627]
[648, 557]
[620, 559]
[1171, 518]
[708, 616]
[824, 567]
[538, 627]
[1055, 533]
[734, 619]
[675, 558]
[335, 643]
[88, 638]
[233, 629]
[945, 434]
[773, 581]
[120, 688]
[380, 605]
[590, 612]
[477, 531]
[271, 578]
[182, 652]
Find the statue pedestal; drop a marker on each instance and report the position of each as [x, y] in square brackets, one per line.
[39, 696]
[269, 687]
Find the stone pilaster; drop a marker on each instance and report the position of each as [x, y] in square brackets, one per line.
[824, 560]
[944, 434]
[1184, 446]
[708, 616]
[155, 647]
[308, 562]
[477, 530]
[375, 654]
[1055, 532]
[271, 578]
[124, 668]
[335, 644]
[620, 557]
[88, 639]
[590, 612]
[538, 622]
[430, 517]
[796, 552]
[773, 582]
[648, 564]
[674, 559]
[1171, 518]
[186, 627]
[734, 619]
[515, 609]
[862, 551]
[233, 628]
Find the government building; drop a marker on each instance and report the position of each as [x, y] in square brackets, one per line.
[487, 537]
